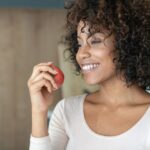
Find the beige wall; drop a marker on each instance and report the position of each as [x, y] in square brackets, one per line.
[27, 37]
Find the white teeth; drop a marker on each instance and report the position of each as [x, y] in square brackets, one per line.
[89, 67]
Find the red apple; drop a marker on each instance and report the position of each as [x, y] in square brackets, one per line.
[59, 77]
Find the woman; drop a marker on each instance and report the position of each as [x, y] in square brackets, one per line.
[109, 45]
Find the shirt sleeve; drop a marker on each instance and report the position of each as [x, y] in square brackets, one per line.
[57, 139]
[148, 141]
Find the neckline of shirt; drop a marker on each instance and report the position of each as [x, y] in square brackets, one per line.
[127, 132]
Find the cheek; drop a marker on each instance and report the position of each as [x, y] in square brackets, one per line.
[103, 54]
[107, 60]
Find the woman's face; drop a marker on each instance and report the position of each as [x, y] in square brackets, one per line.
[95, 56]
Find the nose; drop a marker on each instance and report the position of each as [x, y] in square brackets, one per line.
[84, 52]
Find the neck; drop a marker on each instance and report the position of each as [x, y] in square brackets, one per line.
[116, 93]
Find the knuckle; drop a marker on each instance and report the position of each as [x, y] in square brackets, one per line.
[51, 69]
[41, 68]
[37, 65]
[46, 68]
[43, 73]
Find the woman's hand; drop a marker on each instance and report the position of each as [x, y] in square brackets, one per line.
[41, 85]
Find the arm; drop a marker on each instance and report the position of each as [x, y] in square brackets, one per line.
[41, 86]
[148, 141]
[57, 138]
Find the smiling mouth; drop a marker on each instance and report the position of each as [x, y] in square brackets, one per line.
[89, 67]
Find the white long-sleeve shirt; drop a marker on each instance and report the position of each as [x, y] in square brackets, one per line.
[68, 130]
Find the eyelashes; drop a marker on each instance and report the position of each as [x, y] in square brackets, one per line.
[91, 43]
[95, 42]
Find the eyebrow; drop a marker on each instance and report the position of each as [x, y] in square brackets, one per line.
[93, 35]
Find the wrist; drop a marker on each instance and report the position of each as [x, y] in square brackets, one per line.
[40, 112]
[39, 124]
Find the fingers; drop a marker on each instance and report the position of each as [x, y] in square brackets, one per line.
[42, 67]
[47, 76]
[45, 63]
[42, 76]
[38, 85]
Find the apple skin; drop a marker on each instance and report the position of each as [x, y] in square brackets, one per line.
[59, 77]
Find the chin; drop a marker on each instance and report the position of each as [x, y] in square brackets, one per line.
[91, 82]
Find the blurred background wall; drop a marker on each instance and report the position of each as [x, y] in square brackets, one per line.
[30, 33]
[27, 37]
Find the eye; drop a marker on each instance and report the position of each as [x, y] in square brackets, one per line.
[95, 42]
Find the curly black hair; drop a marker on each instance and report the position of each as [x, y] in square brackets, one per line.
[129, 21]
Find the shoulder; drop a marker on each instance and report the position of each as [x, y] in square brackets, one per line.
[68, 110]
[70, 107]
